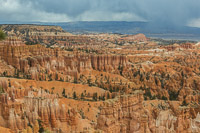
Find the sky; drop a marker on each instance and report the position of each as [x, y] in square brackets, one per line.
[170, 12]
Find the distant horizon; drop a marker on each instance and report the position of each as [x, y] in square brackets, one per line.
[122, 27]
[39, 22]
[8, 22]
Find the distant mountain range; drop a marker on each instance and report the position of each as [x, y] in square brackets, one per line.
[122, 27]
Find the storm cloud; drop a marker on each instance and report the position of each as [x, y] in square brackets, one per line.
[171, 12]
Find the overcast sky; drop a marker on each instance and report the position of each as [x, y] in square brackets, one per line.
[171, 12]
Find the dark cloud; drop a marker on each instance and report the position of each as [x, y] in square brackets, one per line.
[172, 12]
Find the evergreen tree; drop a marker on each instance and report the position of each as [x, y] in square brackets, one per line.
[75, 80]
[52, 90]
[63, 92]
[108, 96]
[89, 81]
[164, 98]
[74, 95]
[184, 103]
[2, 35]
[56, 78]
[50, 77]
[9, 84]
[147, 94]
[1, 90]
[99, 98]
[82, 96]
[94, 97]
[141, 78]
[173, 95]
[103, 98]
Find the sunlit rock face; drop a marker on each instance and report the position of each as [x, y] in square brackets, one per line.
[12, 41]
[35, 59]
[22, 107]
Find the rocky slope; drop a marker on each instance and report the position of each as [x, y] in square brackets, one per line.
[96, 83]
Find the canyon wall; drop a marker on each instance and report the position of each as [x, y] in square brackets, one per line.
[128, 114]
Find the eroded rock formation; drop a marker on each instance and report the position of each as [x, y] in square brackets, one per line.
[96, 82]
[127, 114]
[23, 107]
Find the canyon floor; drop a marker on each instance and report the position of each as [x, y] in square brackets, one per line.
[55, 81]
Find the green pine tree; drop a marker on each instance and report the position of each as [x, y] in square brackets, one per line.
[2, 35]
